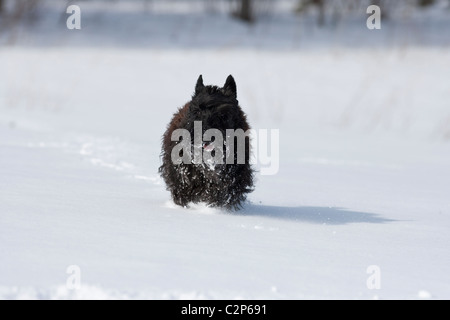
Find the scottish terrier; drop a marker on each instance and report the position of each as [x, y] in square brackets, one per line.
[198, 163]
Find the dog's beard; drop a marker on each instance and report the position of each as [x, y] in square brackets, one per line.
[209, 160]
[208, 154]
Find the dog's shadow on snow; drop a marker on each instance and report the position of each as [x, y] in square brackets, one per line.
[318, 215]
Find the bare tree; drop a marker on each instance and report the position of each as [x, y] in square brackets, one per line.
[424, 3]
[245, 11]
[319, 4]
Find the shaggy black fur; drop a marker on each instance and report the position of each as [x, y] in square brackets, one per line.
[217, 185]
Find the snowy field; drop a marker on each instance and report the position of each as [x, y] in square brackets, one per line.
[360, 205]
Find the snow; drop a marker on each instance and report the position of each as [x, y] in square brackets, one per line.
[364, 170]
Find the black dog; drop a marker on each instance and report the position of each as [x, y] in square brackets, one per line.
[222, 181]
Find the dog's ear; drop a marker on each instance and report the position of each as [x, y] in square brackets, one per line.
[199, 86]
[230, 87]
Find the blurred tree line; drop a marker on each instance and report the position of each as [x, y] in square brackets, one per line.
[11, 11]
[336, 8]
[245, 10]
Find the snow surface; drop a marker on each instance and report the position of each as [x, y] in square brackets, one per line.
[364, 176]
